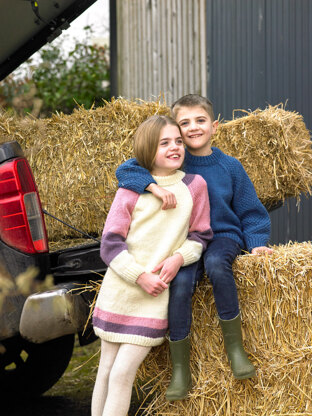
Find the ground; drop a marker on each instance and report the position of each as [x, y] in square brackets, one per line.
[71, 395]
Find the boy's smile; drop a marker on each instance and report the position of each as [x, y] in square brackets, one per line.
[197, 129]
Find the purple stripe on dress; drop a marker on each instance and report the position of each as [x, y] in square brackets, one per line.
[130, 320]
[201, 237]
[128, 329]
[112, 244]
[188, 178]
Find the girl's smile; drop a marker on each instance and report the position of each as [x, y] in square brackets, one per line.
[170, 152]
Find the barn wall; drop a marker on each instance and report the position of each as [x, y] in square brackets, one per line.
[161, 48]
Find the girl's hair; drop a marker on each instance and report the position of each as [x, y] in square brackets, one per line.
[146, 139]
[193, 100]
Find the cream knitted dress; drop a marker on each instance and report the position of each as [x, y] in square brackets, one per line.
[137, 236]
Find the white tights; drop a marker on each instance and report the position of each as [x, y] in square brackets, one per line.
[116, 373]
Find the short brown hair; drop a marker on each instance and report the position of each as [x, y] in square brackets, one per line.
[193, 100]
[146, 139]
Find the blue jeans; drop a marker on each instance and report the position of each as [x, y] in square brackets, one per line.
[217, 260]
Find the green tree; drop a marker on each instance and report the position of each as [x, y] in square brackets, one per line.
[63, 79]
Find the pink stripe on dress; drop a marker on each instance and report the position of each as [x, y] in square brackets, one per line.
[130, 320]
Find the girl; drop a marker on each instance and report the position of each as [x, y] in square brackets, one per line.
[131, 311]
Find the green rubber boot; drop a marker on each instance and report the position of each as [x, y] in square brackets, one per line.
[181, 380]
[241, 366]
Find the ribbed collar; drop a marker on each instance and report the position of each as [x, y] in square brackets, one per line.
[203, 160]
[169, 180]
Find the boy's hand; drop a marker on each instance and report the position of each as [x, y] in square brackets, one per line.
[262, 250]
[151, 284]
[169, 267]
[168, 198]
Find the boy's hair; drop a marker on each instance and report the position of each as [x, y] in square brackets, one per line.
[146, 139]
[193, 100]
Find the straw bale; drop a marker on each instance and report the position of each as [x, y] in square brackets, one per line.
[74, 157]
[275, 295]
[275, 149]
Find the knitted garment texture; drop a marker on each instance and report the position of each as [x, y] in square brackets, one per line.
[236, 211]
[137, 236]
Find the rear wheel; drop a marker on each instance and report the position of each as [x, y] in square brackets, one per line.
[28, 369]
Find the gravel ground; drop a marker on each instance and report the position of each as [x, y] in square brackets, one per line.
[71, 395]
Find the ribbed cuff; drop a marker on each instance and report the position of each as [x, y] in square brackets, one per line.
[132, 272]
[252, 243]
[190, 251]
[139, 185]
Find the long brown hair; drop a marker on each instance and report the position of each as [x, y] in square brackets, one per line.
[146, 139]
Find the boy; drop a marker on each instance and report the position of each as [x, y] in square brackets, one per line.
[238, 220]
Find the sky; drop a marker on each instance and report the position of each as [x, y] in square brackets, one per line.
[96, 16]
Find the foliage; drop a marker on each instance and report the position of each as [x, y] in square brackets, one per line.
[58, 80]
[11, 88]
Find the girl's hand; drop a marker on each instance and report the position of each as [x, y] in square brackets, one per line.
[168, 198]
[262, 250]
[151, 284]
[169, 267]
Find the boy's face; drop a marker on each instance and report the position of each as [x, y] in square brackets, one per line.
[197, 129]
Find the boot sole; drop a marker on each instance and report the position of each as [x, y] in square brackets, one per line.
[245, 376]
[181, 397]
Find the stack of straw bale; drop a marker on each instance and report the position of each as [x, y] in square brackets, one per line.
[274, 147]
[74, 157]
[275, 295]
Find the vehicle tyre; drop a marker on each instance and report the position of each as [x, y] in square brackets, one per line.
[28, 369]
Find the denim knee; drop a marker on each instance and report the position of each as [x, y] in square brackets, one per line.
[218, 268]
[218, 259]
[183, 285]
[181, 291]
[215, 262]
[180, 302]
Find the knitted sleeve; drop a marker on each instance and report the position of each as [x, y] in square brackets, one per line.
[254, 217]
[200, 232]
[132, 176]
[114, 250]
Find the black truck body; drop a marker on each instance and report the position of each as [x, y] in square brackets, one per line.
[37, 331]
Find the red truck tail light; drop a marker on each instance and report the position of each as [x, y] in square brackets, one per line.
[21, 219]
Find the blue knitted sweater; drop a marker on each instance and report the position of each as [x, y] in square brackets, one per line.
[236, 211]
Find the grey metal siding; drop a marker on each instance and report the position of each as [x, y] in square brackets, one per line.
[259, 53]
[161, 48]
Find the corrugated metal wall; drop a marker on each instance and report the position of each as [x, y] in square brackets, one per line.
[259, 53]
[161, 48]
[241, 53]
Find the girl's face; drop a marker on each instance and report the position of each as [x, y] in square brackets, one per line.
[170, 152]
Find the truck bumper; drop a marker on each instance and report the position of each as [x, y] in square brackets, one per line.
[52, 314]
